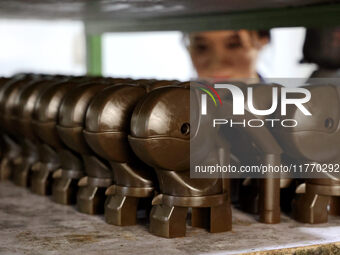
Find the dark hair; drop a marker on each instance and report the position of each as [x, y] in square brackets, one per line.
[261, 33]
[322, 47]
[264, 33]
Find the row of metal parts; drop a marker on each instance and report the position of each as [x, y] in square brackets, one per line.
[116, 146]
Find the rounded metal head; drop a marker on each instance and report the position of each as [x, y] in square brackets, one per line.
[71, 118]
[45, 114]
[23, 111]
[8, 101]
[108, 121]
[160, 128]
[316, 138]
[109, 115]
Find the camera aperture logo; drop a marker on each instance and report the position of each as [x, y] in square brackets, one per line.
[204, 97]
[240, 105]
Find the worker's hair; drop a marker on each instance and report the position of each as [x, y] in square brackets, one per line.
[264, 33]
[261, 33]
[322, 47]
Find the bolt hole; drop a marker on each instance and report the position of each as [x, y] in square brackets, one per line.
[185, 129]
[329, 123]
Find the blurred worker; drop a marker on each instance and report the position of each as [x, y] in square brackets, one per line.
[226, 54]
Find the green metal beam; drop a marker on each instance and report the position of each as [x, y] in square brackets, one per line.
[94, 54]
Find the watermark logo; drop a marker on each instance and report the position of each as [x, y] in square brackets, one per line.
[239, 102]
[209, 90]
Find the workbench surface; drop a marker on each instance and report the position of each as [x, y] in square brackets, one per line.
[32, 224]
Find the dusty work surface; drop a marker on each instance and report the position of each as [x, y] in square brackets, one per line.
[32, 224]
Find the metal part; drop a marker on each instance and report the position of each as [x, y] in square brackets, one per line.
[21, 118]
[162, 145]
[89, 192]
[8, 96]
[315, 141]
[254, 146]
[45, 117]
[107, 136]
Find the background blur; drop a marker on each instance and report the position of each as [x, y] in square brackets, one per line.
[59, 47]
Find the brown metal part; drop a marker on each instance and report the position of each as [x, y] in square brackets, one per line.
[314, 140]
[253, 146]
[79, 158]
[110, 145]
[21, 118]
[335, 206]
[8, 95]
[52, 151]
[107, 127]
[91, 195]
[45, 116]
[157, 139]
[65, 184]
[4, 170]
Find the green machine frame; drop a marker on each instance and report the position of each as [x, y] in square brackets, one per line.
[94, 55]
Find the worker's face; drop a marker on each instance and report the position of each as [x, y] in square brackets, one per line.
[225, 54]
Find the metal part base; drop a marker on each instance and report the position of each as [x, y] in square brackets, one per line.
[64, 191]
[215, 219]
[335, 206]
[270, 217]
[5, 169]
[170, 221]
[41, 182]
[311, 208]
[11, 151]
[121, 210]
[91, 199]
[21, 172]
[269, 200]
